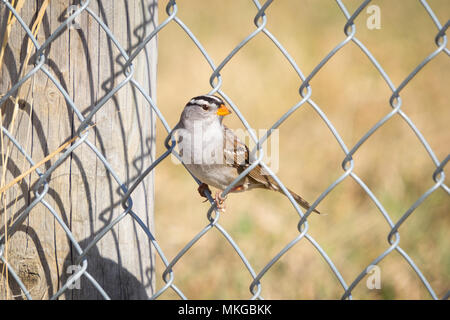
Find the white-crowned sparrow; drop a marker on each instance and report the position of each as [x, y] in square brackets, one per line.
[214, 154]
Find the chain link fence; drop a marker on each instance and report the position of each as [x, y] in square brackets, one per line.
[213, 216]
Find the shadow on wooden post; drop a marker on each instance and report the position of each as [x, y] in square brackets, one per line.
[81, 191]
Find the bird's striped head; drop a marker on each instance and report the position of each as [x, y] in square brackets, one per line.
[207, 108]
[209, 104]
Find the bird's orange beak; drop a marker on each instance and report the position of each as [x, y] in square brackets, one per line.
[223, 111]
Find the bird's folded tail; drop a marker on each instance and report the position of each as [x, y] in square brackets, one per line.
[263, 179]
[305, 204]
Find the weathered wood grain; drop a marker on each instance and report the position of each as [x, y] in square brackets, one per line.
[81, 191]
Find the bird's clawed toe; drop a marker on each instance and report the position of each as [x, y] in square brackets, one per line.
[220, 201]
[202, 188]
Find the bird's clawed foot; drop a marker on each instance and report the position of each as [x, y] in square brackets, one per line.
[202, 188]
[220, 201]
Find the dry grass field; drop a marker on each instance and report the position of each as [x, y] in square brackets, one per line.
[353, 95]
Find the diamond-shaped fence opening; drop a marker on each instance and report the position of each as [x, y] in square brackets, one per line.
[79, 116]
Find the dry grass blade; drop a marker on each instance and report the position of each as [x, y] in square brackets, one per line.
[11, 19]
[37, 165]
[5, 155]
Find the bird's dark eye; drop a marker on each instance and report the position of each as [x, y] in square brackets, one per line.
[205, 107]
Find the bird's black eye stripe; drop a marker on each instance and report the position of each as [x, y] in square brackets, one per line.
[205, 101]
[209, 99]
[194, 103]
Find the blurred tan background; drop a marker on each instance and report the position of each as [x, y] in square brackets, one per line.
[350, 91]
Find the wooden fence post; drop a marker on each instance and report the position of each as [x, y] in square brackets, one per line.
[87, 64]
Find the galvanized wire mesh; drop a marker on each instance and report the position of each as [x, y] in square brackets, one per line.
[213, 216]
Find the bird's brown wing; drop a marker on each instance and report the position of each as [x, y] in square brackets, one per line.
[236, 154]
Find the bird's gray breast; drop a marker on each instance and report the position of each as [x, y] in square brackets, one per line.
[202, 153]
